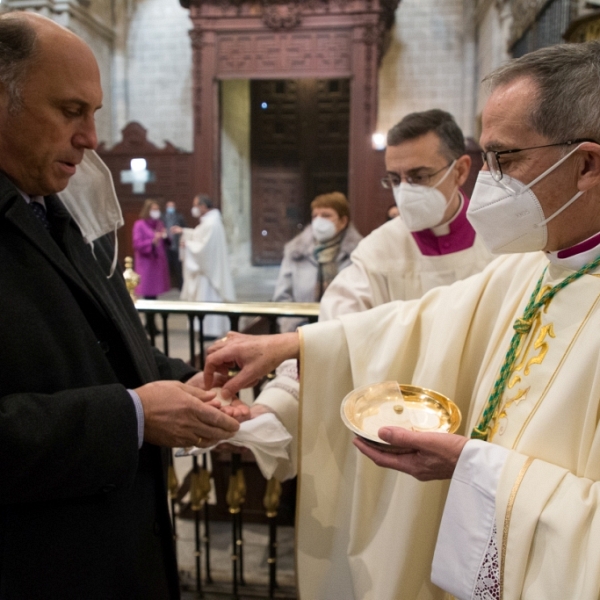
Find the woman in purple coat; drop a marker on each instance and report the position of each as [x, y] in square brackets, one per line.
[149, 240]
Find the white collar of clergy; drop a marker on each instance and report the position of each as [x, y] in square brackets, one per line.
[444, 229]
[578, 255]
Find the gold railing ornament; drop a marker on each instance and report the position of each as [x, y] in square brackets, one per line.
[272, 497]
[236, 492]
[199, 488]
[132, 279]
[172, 482]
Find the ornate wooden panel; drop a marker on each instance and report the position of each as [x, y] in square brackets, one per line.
[282, 39]
[277, 214]
[284, 54]
[172, 177]
[299, 126]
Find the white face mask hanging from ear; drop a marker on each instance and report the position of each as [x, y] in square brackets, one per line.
[507, 214]
[92, 201]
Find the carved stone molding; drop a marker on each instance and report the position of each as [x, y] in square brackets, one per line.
[294, 53]
[278, 16]
[286, 15]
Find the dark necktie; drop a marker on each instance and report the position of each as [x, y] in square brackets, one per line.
[40, 212]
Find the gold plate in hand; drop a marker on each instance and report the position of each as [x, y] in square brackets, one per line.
[370, 407]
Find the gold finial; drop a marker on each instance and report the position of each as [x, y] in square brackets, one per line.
[199, 488]
[398, 409]
[132, 279]
[236, 492]
[272, 497]
[173, 484]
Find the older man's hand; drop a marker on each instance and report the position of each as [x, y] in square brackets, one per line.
[177, 414]
[425, 456]
[256, 355]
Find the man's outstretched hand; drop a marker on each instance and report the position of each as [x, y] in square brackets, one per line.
[176, 414]
[425, 456]
[255, 355]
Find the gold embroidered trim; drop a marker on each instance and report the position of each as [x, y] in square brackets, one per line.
[556, 371]
[507, 517]
[301, 369]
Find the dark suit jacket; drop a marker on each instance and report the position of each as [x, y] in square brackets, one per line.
[83, 512]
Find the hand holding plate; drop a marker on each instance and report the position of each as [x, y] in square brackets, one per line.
[425, 456]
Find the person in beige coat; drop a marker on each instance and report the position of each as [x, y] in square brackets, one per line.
[315, 256]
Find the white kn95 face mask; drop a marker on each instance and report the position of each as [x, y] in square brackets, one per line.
[421, 207]
[508, 215]
[323, 229]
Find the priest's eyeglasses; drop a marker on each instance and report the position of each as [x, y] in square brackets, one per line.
[392, 180]
[492, 158]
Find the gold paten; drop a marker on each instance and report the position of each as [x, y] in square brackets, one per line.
[411, 406]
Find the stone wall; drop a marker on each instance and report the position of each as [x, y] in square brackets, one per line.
[158, 73]
[235, 168]
[493, 27]
[429, 62]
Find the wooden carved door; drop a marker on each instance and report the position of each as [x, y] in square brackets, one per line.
[299, 149]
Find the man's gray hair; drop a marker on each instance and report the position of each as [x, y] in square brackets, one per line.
[568, 80]
[17, 49]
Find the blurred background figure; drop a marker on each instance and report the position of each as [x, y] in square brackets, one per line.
[172, 218]
[315, 256]
[205, 261]
[392, 212]
[149, 242]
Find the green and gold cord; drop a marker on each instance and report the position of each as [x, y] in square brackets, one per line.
[522, 327]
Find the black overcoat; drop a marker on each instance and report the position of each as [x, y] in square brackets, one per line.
[83, 511]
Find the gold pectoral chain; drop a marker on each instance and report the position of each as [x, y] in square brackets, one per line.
[522, 326]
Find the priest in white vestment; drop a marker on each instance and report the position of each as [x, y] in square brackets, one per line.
[516, 347]
[401, 260]
[205, 263]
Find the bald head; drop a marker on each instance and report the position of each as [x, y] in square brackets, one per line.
[49, 92]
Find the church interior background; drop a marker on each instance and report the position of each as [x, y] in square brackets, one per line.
[263, 104]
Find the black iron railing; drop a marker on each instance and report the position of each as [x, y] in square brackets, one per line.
[261, 317]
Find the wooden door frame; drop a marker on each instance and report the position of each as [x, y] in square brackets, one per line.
[293, 39]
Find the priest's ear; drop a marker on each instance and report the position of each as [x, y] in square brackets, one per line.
[588, 174]
[463, 167]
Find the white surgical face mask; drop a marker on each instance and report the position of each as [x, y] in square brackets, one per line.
[421, 207]
[507, 214]
[323, 229]
[196, 212]
[155, 214]
[92, 201]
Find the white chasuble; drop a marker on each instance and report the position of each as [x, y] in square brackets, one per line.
[369, 533]
[547, 514]
[388, 265]
[206, 271]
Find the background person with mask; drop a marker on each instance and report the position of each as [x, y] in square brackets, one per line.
[149, 245]
[206, 271]
[172, 218]
[314, 257]
[432, 243]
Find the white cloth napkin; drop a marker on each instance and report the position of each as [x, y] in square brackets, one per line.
[265, 436]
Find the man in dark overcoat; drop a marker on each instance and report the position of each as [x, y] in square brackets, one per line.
[85, 402]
